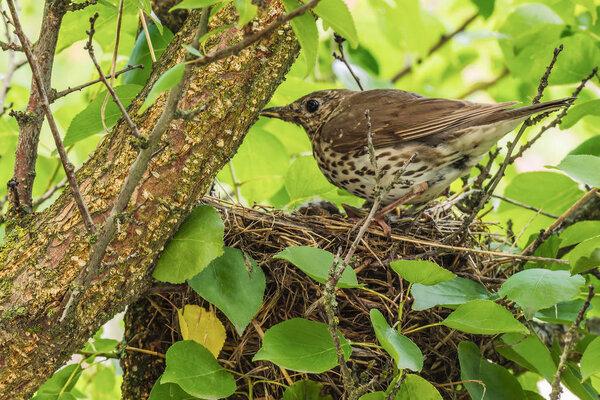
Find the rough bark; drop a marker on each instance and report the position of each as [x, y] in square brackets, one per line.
[147, 327]
[30, 122]
[46, 251]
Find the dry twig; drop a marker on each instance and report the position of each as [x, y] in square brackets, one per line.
[568, 344]
[341, 57]
[68, 167]
[70, 90]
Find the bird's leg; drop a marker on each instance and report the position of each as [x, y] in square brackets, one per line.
[416, 191]
[379, 216]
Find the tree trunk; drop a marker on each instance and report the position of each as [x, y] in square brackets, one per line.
[44, 252]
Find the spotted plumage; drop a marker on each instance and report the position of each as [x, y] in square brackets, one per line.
[449, 137]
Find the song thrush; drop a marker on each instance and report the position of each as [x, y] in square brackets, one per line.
[448, 136]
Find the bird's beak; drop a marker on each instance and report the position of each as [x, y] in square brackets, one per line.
[274, 112]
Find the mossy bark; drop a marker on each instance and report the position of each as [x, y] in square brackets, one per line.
[46, 251]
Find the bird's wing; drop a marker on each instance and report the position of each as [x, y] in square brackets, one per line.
[398, 116]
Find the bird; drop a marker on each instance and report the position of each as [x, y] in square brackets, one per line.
[420, 144]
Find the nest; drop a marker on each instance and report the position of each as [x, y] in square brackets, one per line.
[290, 293]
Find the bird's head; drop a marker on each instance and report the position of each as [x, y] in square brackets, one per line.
[310, 111]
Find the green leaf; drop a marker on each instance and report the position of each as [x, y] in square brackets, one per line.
[166, 82]
[227, 284]
[205, 37]
[260, 177]
[406, 26]
[191, 4]
[590, 146]
[305, 390]
[191, 366]
[414, 387]
[578, 232]
[141, 54]
[75, 24]
[571, 377]
[63, 380]
[316, 263]
[496, 382]
[483, 317]
[301, 345]
[583, 168]
[590, 361]
[373, 396]
[564, 312]
[246, 10]
[198, 241]
[192, 50]
[579, 111]
[169, 391]
[579, 57]
[453, 292]
[528, 352]
[536, 288]
[586, 255]
[554, 193]
[336, 14]
[362, 57]
[304, 180]
[147, 8]
[305, 28]
[402, 349]
[424, 272]
[485, 7]
[89, 121]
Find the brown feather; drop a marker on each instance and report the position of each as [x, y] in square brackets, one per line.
[398, 116]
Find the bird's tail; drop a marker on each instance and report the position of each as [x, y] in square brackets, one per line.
[552, 105]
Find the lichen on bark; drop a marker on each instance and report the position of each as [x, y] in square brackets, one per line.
[41, 257]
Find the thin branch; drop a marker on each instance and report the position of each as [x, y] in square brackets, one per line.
[340, 40]
[70, 90]
[557, 120]
[336, 271]
[90, 48]
[489, 189]
[68, 167]
[443, 40]
[147, 34]
[562, 364]
[7, 46]
[51, 191]
[113, 69]
[556, 224]
[248, 40]
[528, 207]
[485, 85]
[136, 172]
[10, 69]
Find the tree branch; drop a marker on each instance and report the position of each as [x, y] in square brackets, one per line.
[248, 40]
[39, 82]
[40, 266]
[545, 234]
[484, 196]
[340, 40]
[562, 364]
[89, 46]
[29, 127]
[63, 93]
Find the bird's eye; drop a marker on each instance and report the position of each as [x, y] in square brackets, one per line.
[312, 105]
